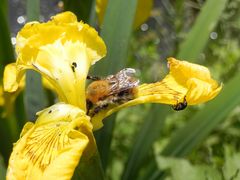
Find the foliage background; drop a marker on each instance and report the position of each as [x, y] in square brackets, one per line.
[150, 141]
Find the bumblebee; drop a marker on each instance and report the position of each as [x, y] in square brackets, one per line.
[180, 106]
[112, 90]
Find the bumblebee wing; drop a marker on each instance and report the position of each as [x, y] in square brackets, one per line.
[122, 81]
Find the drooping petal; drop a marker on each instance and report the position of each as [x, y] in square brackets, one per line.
[52, 147]
[185, 81]
[12, 78]
[142, 12]
[62, 50]
[7, 98]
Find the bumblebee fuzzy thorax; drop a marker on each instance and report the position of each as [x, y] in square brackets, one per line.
[97, 90]
[111, 90]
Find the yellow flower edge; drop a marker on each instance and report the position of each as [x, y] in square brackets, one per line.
[185, 81]
[52, 147]
[143, 10]
[64, 27]
[62, 51]
[7, 99]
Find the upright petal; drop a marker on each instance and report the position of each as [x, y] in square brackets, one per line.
[62, 50]
[52, 147]
[7, 98]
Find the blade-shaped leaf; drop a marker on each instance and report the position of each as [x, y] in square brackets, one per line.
[34, 98]
[6, 49]
[148, 133]
[81, 8]
[204, 25]
[204, 121]
[89, 168]
[8, 125]
[2, 169]
[116, 31]
[189, 50]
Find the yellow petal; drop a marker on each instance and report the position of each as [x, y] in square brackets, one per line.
[62, 50]
[52, 147]
[200, 87]
[142, 12]
[7, 101]
[12, 78]
[2, 100]
[185, 80]
[12, 86]
[64, 27]
[69, 76]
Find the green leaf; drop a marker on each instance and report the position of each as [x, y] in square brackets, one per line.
[6, 50]
[4, 7]
[92, 16]
[34, 97]
[82, 8]
[8, 135]
[116, 31]
[148, 133]
[181, 168]
[8, 125]
[104, 139]
[33, 10]
[89, 168]
[2, 169]
[198, 37]
[204, 121]
[190, 49]
[231, 168]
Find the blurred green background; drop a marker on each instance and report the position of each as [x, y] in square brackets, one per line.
[148, 141]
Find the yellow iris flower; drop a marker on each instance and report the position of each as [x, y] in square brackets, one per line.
[51, 147]
[143, 10]
[62, 51]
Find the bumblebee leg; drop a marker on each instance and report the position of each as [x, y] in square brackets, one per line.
[93, 78]
[122, 97]
[89, 106]
[98, 109]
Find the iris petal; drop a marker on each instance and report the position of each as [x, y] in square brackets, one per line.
[62, 50]
[52, 147]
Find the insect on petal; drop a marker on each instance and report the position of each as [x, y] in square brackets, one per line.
[186, 84]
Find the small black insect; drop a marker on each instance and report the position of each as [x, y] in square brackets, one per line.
[180, 106]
